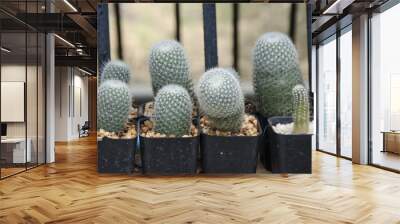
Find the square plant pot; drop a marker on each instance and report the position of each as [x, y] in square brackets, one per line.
[115, 155]
[229, 154]
[263, 143]
[287, 153]
[168, 156]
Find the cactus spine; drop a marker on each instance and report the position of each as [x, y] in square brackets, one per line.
[221, 99]
[116, 70]
[113, 104]
[173, 111]
[168, 64]
[301, 111]
[275, 72]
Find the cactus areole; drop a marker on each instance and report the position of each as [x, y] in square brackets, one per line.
[275, 72]
[113, 105]
[168, 64]
[116, 70]
[221, 99]
[173, 111]
[301, 111]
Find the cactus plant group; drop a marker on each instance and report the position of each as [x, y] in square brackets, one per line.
[113, 105]
[168, 64]
[116, 70]
[275, 72]
[173, 111]
[301, 111]
[221, 99]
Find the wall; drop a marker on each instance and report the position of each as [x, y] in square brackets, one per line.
[71, 102]
[12, 73]
[33, 127]
[17, 73]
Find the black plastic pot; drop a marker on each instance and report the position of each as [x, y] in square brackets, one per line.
[263, 143]
[229, 154]
[287, 153]
[169, 156]
[115, 155]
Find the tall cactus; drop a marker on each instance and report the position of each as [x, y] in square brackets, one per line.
[301, 111]
[116, 70]
[173, 111]
[221, 99]
[275, 72]
[169, 65]
[113, 104]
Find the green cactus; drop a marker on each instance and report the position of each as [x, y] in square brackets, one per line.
[301, 110]
[233, 72]
[221, 99]
[232, 123]
[173, 111]
[168, 64]
[116, 70]
[113, 104]
[275, 72]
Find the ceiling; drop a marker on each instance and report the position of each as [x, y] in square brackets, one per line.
[74, 22]
[330, 15]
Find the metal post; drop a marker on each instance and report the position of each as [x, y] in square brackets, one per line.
[119, 32]
[338, 98]
[210, 36]
[177, 22]
[309, 56]
[292, 25]
[236, 36]
[309, 43]
[103, 35]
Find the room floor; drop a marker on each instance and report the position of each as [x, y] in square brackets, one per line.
[387, 159]
[71, 191]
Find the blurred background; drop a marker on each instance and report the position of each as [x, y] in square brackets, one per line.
[142, 25]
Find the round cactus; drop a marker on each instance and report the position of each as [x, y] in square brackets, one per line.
[173, 111]
[221, 99]
[231, 123]
[113, 104]
[233, 72]
[275, 72]
[169, 65]
[116, 70]
[301, 110]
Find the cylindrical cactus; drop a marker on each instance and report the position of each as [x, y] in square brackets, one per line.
[116, 70]
[275, 72]
[233, 72]
[301, 111]
[221, 99]
[113, 104]
[173, 111]
[168, 64]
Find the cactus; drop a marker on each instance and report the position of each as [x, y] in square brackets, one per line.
[113, 104]
[301, 112]
[233, 72]
[169, 65]
[275, 72]
[173, 111]
[116, 70]
[232, 123]
[221, 99]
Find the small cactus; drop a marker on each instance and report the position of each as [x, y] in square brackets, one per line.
[113, 105]
[221, 99]
[173, 111]
[275, 72]
[301, 111]
[169, 65]
[116, 70]
[233, 72]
